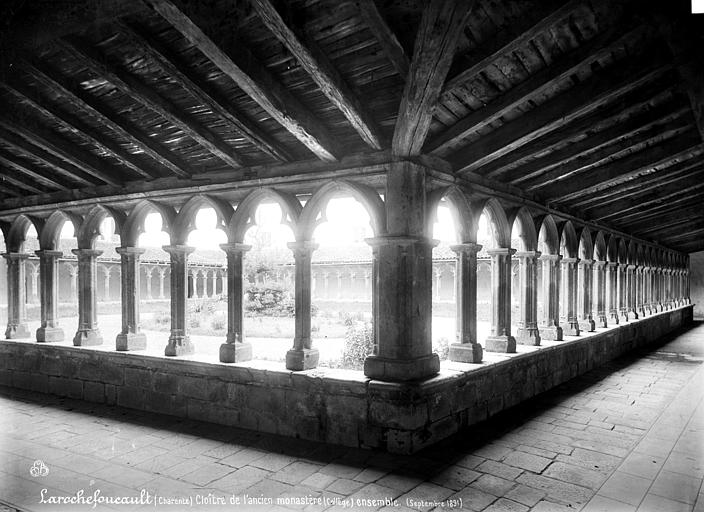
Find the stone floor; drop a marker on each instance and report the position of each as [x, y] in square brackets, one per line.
[628, 436]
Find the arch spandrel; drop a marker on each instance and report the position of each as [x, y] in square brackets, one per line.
[548, 234]
[51, 228]
[460, 208]
[632, 253]
[612, 248]
[498, 222]
[315, 206]
[622, 252]
[569, 243]
[242, 218]
[600, 248]
[90, 227]
[525, 221]
[586, 245]
[16, 232]
[134, 223]
[185, 220]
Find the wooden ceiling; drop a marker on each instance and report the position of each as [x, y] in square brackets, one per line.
[592, 107]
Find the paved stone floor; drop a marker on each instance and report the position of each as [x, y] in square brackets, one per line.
[628, 436]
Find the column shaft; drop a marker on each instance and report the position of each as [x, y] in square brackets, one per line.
[16, 296]
[88, 332]
[550, 328]
[528, 333]
[500, 339]
[179, 341]
[612, 291]
[600, 270]
[49, 296]
[584, 296]
[302, 356]
[235, 349]
[130, 338]
[568, 309]
[466, 349]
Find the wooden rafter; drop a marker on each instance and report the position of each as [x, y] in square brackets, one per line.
[660, 229]
[41, 177]
[132, 87]
[385, 36]
[78, 126]
[78, 99]
[434, 49]
[657, 205]
[322, 71]
[256, 81]
[587, 97]
[204, 93]
[13, 179]
[665, 218]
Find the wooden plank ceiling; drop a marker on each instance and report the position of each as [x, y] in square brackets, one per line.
[592, 107]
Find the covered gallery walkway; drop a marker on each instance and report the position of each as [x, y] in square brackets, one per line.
[624, 437]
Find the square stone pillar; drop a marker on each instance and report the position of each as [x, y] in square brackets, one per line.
[49, 296]
[500, 339]
[528, 333]
[687, 299]
[612, 292]
[640, 290]
[466, 349]
[302, 356]
[599, 288]
[568, 310]
[631, 292]
[647, 291]
[235, 349]
[179, 342]
[403, 284]
[622, 292]
[550, 328]
[585, 298]
[88, 333]
[16, 296]
[130, 338]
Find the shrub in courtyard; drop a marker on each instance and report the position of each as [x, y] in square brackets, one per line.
[218, 322]
[442, 348]
[269, 299]
[162, 318]
[359, 343]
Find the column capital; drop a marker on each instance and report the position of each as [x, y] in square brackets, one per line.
[178, 249]
[599, 263]
[49, 254]
[399, 240]
[612, 264]
[499, 251]
[585, 262]
[303, 246]
[130, 251]
[527, 254]
[466, 247]
[631, 266]
[550, 257]
[15, 256]
[235, 248]
[570, 260]
[87, 253]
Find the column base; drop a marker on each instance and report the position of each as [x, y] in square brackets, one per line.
[179, 345]
[613, 318]
[505, 344]
[87, 338]
[466, 353]
[641, 312]
[50, 334]
[624, 316]
[588, 325]
[130, 341]
[552, 333]
[401, 370]
[601, 321]
[235, 352]
[17, 331]
[528, 336]
[632, 315]
[302, 359]
[570, 328]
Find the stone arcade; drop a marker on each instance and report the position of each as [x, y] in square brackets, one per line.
[576, 125]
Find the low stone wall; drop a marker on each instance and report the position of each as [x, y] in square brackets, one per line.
[334, 406]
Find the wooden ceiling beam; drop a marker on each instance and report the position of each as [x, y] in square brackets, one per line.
[694, 230]
[314, 61]
[204, 92]
[666, 220]
[385, 37]
[18, 165]
[50, 142]
[631, 167]
[79, 100]
[8, 189]
[511, 39]
[436, 41]
[634, 142]
[660, 231]
[13, 179]
[665, 216]
[537, 84]
[256, 81]
[601, 89]
[79, 127]
[140, 92]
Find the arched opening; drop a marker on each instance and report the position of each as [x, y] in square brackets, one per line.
[519, 244]
[67, 279]
[268, 283]
[444, 285]
[341, 282]
[569, 245]
[30, 245]
[108, 292]
[487, 239]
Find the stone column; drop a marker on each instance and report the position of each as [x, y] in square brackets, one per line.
[148, 279]
[16, 296]
[647, 292]
[568, 309]
[687, 299]
[657, 287]
[622, 292]
[501, 339]
[550, 323]
[34, 274]
[599, 276]
[339, 285]
[326, 284]
[584, 296]
[213, 283]
[235, 350]
[612, 292]
[302, 356]
[106, 281]
[130, 338]
[179, 342]
[162, 275]
[466, 349]
[223, 283]
[88, 333]
[631, 292]
[73, 274]
[453, 273]
[640, 290]
[49, 296]
[437, 271]
[528, 333]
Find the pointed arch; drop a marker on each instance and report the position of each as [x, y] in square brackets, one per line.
[133, 225]
[460, 209]
[632, 255]
[16, 233]
[528, 235]
[569, 243]
[315, 206]
[185, 219]
[640, 255]
[242, 219]
[600, 251]
[500, 228]
[612, 249]
[51, 228]
[548, 234]
[586, 246]
[90, 227]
